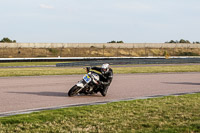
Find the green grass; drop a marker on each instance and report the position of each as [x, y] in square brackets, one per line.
[158, 69]
[166, 114]
[37, 71]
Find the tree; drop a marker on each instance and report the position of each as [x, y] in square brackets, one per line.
[172, 41]
[181, 41]
[116, 41]
[196, 42]
[112, 41]
[7, 40]
[120, 42]
[184, 41]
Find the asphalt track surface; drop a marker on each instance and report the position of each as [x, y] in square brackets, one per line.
[35, 93]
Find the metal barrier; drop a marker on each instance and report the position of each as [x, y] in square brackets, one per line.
[128, 61]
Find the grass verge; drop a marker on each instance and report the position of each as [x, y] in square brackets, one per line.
[37, 71]
[166, 114]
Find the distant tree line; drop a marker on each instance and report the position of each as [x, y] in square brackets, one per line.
[196, 42]
[182, 41]
[7, 40]
[116, 41]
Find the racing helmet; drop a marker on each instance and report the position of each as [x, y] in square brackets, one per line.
[104, 68]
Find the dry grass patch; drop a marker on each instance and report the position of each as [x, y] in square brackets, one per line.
[94, 52]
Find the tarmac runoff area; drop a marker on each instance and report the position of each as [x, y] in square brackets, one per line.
[21, 95]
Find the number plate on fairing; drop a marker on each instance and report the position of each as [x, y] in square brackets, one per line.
[87, 78]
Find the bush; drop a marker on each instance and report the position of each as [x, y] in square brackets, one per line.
[54, 51]
[188, 54]
[7, 40]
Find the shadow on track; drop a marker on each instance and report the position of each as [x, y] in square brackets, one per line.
[56, 94]
[45, 93]
[185, 83]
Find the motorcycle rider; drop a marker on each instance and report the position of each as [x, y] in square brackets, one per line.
[106, 77]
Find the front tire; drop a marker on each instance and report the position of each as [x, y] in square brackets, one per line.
[74, 91]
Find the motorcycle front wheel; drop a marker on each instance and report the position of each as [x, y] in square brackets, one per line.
[74, 91]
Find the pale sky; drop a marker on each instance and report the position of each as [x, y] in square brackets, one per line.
[99, 21]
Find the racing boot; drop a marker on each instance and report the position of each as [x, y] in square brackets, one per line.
[104, 90]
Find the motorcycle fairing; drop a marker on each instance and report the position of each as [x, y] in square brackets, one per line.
[87, 78]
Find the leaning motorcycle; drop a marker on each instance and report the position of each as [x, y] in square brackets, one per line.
[88, 85]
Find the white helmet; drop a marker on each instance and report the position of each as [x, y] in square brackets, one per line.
[105, 68]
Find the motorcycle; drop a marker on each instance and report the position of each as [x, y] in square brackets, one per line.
[90, 84]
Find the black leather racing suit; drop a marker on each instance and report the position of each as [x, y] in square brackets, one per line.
[105, 79]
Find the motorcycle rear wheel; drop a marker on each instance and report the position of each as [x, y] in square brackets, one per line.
[74, 91]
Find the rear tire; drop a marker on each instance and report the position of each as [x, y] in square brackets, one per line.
[74, 91]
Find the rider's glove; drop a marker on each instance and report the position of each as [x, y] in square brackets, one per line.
[87, 69]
